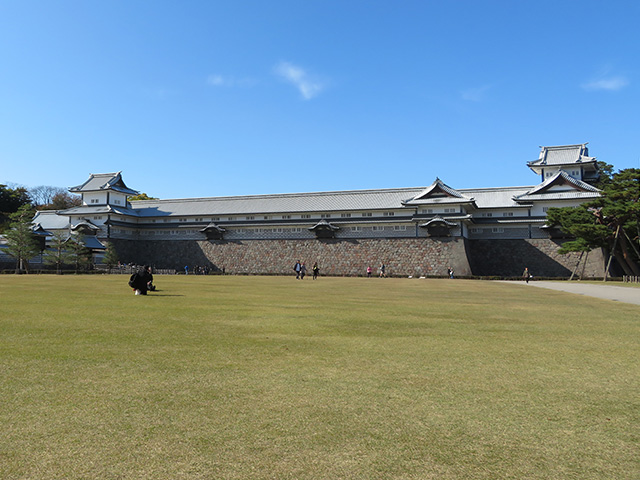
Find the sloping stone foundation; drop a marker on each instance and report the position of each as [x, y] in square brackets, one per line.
[508, 258]
[402, 257]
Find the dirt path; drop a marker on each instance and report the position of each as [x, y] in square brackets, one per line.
[608, 292]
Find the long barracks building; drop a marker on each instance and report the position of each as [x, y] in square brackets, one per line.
[413, 231]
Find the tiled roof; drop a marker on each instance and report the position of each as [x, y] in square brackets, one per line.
[99, 210]
[563, 155]
[279, 203]
[573, 189]
[104, 181]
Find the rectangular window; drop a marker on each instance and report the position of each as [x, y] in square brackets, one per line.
[400, 228]
[507, 214]
[251, 217]
[267, 217]
[345, 215]
[377, 228]
[286, 217]
[476, 230]
[325, 215]
[388, 214]
[486, 214]
[356, 229]
[305, 216]
[449, 210]
[545, 209]
[497, 230]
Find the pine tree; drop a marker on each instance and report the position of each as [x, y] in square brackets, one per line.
[79, 254]
[57, 253]
[110, 256]
[611, 221]
[21, 242]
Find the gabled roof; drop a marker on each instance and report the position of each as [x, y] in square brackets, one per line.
[93, 243]
[87, 224]
[563, 155]
[104, 181]
[98, 209]
[438, 192]
[558, 187]
[437, 220]
[213, 227]
[323, 224]
[50, 220]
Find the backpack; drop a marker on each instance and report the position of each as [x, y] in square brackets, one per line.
[133, 280]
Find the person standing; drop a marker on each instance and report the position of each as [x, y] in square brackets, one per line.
[369, 270]
[303, 271]
[383, 270]
[526, 275]
[297, 268]
[316, 270]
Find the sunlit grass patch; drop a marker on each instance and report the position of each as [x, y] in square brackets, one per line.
[269, 377]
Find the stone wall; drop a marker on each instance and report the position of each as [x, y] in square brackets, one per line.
[509, 258]
[345, 257]
[403, 257]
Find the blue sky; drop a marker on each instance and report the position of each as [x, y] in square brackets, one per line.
[239, 97]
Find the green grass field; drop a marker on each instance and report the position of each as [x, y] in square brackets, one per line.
[341, 378]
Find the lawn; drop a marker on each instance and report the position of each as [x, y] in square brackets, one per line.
[342, 378]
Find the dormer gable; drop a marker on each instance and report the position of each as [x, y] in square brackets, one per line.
[559, 184]
[438, 192]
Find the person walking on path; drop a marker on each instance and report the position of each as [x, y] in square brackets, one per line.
[526, 275]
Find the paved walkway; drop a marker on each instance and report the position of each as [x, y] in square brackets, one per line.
[608, 292]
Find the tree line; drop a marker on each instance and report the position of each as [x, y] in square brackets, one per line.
[42, 197]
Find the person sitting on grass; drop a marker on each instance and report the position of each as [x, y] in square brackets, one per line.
[141, 281]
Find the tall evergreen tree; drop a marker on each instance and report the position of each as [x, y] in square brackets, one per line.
[110, 256]
[11, 199]
[22, 244]
[57, 254]
[79, 254]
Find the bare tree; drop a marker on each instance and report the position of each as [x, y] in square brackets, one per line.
[43, 194]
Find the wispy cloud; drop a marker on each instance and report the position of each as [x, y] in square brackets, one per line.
[610, 83]
[308, 85]
[217, 80]
[475, 94]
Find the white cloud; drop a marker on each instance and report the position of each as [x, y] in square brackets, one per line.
[309, 87]
[476, 94]
[217, 80]
[606, 83]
